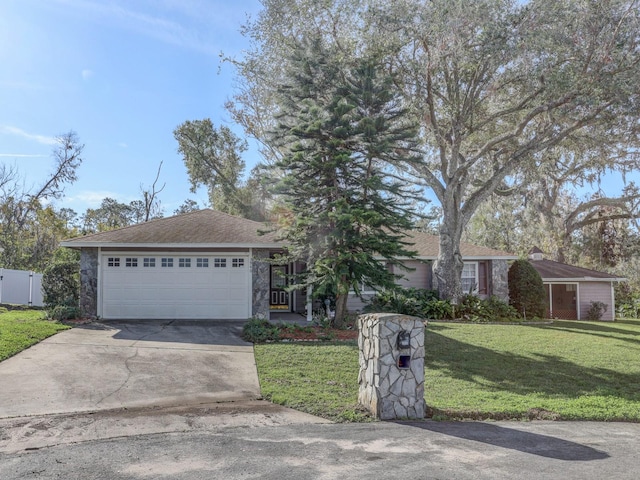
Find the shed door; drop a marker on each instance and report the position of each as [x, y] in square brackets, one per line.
[180, 286]
[563, 300]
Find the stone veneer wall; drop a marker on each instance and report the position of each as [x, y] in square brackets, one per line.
[260, 281]
[89, 282]
[499, 279]
[388, 391]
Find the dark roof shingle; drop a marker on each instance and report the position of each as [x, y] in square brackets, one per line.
[548, 269]
[199, 227]
[210, 227]
[428, 246]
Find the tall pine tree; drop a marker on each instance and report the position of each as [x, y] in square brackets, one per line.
[343, 134]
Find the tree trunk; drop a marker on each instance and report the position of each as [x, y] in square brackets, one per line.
[341, 310]
[448, 266]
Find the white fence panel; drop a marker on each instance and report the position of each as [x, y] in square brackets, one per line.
[21, 287]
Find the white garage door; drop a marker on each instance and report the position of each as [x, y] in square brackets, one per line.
[178, 286]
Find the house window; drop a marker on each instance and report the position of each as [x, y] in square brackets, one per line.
[237, 262]
[202, 262]
[131, 262]
[469, 280]
[113, 261]
[167, 262]
[148, 262]
[184, 262]
[220, 262]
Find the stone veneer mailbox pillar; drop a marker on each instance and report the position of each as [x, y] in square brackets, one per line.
[391, 359]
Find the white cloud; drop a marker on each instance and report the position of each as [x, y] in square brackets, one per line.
[160, 25]
[123, 145]
[18, 132]
[87, 74]
[93, 198]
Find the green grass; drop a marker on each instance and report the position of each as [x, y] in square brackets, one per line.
[19, 329]
[321, 379]
[568, 370]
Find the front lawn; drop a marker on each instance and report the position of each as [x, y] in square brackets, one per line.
[568, 370]
[19, 329]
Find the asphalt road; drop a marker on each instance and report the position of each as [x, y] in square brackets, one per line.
[277, 448]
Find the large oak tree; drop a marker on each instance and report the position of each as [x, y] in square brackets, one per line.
[494, 84]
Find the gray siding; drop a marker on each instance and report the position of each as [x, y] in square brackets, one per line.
[596, 292]
[418, 278]
[355, 304]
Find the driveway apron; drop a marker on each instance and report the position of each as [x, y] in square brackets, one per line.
[130, 364]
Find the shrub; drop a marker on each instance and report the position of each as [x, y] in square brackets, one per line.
[596, 310]
[393, 300]
[526, 291]
[437, 309]
[61, 288]
[492, 309]
[259, 330]
[630, 309]
[425, 304]
[405, 301]
[500, 309]
[627, 300]
[469, 308]
[62, 312]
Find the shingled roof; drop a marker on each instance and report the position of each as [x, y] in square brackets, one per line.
[428, 247]
[550, 270]
[202, 227]
[212, 228]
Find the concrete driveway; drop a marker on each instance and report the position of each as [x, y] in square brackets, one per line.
[131, 364]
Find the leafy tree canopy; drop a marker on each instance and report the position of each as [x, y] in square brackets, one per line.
[495, 85]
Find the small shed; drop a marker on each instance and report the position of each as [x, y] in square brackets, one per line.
[571, 290]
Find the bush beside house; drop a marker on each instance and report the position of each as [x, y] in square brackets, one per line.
[61, 287]
[426, 304]
[526, 290]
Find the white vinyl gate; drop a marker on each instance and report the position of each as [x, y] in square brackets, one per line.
[21, 287]
[168, 286]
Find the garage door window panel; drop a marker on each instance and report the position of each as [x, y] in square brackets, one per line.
[167, 262]
[184, 263]
[202, 263]
[220, 262]
[113, 261]
[131, 262]
[149, 262]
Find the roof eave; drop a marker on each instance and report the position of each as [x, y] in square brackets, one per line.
[583, 279]
[160, 246]
[471, 258]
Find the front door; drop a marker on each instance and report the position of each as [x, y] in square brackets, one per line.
[279, 296]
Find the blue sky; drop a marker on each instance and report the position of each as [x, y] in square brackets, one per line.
[123, 74]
